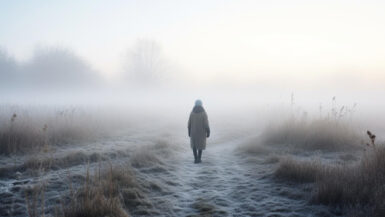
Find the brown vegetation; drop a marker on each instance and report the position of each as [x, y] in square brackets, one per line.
[44, 163]
[111, 192]
[23, 130]
[298, 171]
[317, 134]
[99, 196]
[359, 186]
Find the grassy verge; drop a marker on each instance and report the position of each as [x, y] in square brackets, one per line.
[317, 134]
[360, 186]
[24, 130]
[113, 192]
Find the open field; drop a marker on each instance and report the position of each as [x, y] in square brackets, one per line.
[107, 106]
[80, 163]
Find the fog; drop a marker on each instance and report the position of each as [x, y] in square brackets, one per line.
[97, 95]
[148, 80]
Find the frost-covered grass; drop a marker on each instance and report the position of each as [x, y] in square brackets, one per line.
[107, 188]
[290, 169]
[315, 134]
[36, 163]
[26, 129]
[297, 130]
[359, 186]
[112, 192]
[355, 184]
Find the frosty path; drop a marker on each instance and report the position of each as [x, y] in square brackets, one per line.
[226, 184]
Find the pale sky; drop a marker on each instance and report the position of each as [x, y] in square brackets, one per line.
[231, 41]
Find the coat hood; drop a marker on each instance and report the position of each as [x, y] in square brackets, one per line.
[198, 109]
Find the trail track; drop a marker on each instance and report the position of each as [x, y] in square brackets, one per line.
[226, 183]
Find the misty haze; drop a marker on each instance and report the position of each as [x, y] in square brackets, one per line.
[192, 108]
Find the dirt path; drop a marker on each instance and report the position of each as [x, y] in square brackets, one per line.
[226, 184]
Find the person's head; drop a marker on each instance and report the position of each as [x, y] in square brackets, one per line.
[198, 102]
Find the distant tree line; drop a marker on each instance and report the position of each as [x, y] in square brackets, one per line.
[48, 68]
[61, 68]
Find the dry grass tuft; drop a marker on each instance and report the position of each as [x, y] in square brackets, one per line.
[113, 192]
[38, 163]
[317, 134]
[40, 129]
[333, 131]
[298, 171]
[145, 157]
[359, 186]
[34, 198]
[152, 155]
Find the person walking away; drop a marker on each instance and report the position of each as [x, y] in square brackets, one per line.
[198, 130]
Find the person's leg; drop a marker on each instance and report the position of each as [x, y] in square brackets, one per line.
[195, 155]
[199, 155]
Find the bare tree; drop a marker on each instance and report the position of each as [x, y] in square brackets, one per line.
[145, 63]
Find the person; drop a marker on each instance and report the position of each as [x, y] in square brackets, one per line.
[198, 130]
